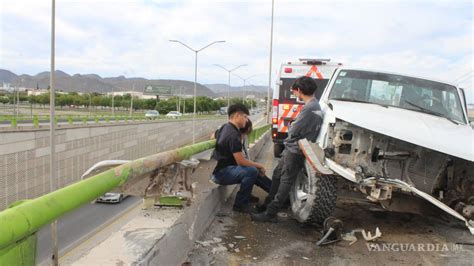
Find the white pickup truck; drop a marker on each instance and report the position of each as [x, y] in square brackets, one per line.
[395, 138]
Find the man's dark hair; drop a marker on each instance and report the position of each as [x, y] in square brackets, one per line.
[238, 108]
[306, 85]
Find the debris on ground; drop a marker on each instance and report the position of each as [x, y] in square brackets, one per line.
[350, 237]
[239, 237]
[368, 236]
[332, 231]
[218, 249]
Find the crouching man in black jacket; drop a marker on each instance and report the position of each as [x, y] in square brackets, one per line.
[232, 166]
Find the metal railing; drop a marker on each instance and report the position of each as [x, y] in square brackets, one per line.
[35, 121]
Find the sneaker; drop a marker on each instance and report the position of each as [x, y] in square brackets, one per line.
[261, 208]
[263, 217]
[243, 209]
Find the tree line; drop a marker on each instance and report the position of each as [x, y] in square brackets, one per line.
[95, 100]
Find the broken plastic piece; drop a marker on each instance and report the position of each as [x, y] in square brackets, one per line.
[368, 236]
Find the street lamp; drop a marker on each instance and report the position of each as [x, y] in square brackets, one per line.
[195, 76]
[243, 88]
[229, 71]
[270, 66]
[131, 100]
[52, 154]
[113, 107]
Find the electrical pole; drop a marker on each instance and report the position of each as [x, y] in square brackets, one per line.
[131, 100]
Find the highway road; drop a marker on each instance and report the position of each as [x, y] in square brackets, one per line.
[407, 239]
[77, 226]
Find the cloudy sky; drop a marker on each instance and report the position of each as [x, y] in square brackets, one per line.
[120, 37]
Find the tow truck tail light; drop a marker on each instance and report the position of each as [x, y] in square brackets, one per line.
[288, 70]
[275, 111]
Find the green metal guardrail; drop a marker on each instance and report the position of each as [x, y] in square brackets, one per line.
[257, 133]
[20, 222]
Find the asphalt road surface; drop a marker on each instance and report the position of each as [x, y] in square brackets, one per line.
[407, 239]
[77, 225]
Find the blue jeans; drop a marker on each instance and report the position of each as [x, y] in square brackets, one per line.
[246, 176]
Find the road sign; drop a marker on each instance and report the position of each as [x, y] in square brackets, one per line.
[158, 90]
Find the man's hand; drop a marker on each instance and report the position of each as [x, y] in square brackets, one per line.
[261, 170]
[242, 161]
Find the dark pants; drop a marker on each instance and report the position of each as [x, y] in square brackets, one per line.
[246, 176]
[264, 183]
[283, 178]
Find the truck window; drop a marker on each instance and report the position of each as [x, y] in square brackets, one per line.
[288, 97]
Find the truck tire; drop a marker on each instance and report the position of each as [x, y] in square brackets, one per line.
[277, 149]
[313, 196]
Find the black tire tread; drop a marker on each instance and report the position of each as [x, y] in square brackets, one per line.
[324, 202]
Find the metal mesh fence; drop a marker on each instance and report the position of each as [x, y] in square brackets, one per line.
[25, 174]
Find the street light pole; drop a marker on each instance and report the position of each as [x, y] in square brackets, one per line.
[270, 66]
[113, 108]
[243, 89]
[179, 99]
[131, 100]
[17, 100]
[195, 77]
[52, 157]
[229, 71]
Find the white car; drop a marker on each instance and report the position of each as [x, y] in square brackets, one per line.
[394, 138]
[174, 114]
[110, 197]
[152, 114]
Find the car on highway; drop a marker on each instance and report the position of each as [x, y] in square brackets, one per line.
[174, 114]
[152, 114]
[110, 197]
[402, 141]
[223, 110]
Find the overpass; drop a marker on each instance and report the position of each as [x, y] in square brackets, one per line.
[21, 222]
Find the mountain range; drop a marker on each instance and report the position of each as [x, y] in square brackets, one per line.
[95, 83]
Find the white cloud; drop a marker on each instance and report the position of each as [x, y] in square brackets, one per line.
[111, 38]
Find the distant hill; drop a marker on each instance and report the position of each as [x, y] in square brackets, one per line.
[7, 76]
[95, 83]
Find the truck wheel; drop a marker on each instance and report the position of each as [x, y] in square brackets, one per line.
[277, 149]
[313, 196]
